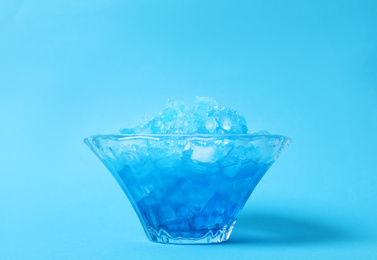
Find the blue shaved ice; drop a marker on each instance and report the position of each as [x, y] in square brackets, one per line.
[189, 171]
[204, 117]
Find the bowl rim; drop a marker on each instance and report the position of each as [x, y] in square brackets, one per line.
[187, 136]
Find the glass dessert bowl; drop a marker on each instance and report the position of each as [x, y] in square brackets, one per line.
[188, 189]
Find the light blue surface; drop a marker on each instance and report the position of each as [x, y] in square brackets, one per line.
[304, 69]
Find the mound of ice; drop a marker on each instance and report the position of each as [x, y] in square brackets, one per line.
[204, 117]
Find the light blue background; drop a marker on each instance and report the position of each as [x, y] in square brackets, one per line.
[305, 69]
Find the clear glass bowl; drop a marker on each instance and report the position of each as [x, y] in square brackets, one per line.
[188, 189]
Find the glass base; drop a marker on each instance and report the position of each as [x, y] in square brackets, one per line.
[163, 237]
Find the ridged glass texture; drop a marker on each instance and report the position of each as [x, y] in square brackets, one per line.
[188, 189]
